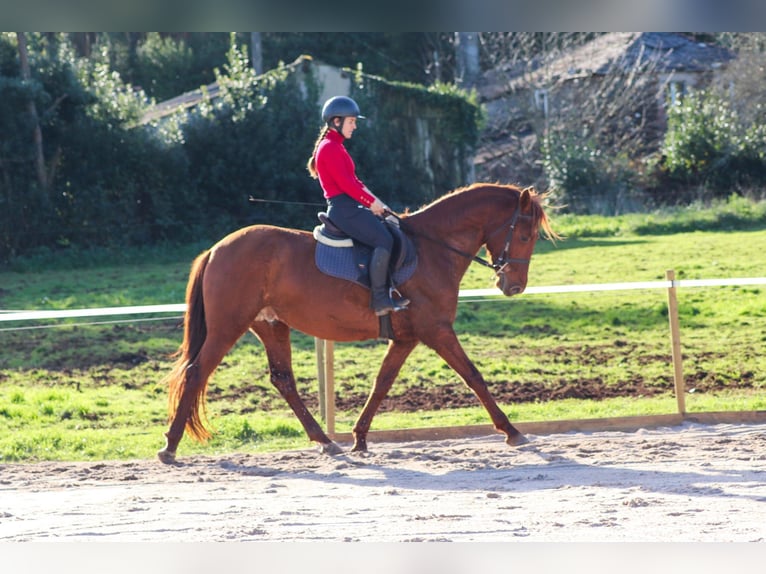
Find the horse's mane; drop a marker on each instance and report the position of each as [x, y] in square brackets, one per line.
[443, 209]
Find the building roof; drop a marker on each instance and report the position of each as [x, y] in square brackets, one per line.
[625, 50]
[184, 101]
[193, 98]
[622, 52]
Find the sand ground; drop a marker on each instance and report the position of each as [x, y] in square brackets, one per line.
[692, 483]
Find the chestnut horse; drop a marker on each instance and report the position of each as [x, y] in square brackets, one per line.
[264, 279]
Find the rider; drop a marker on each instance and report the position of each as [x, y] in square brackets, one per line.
[351, 206]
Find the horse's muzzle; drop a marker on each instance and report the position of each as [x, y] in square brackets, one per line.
[509, 288]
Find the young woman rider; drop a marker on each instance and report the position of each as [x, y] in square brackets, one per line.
[351, 206]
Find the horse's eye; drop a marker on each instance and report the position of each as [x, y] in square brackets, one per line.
[525, 238]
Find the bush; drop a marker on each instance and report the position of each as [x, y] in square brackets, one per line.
[583, 179]
[108, 183]
[163, 66]
[708, 148]
[115, 182]
[253, 142]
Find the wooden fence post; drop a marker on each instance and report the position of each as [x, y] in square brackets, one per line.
[329, 385]
[325, 354]
[329, 375]
[319, 345]
[675, 342]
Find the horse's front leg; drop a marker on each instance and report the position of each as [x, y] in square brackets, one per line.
[276, 340]
[397, 353]
[445, 343]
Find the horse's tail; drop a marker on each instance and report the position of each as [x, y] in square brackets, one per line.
[185, 371]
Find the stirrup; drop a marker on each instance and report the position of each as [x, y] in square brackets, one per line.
[390, 303]
[400, 302]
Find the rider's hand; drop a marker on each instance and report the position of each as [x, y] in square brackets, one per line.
[378, 207]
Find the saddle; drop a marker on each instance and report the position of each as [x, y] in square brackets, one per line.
[338, 255]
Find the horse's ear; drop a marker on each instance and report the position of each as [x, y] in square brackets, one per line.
[525, 199]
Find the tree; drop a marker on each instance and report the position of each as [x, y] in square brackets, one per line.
[467, 59]
[42, 180]
[255, 41]
[743, 82]
[583, 134]
[598, 130]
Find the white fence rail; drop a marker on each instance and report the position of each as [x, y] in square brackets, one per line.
[464, 295]
[96, 312]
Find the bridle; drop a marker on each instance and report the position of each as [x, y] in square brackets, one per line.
[503, 261]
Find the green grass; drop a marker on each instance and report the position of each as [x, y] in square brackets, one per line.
[42, 424]
[82, 391]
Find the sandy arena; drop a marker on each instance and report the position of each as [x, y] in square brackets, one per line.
[692, 483]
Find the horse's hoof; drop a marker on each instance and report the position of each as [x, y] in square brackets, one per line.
[166, 456]
[330, 449]
[359, 447]
[516, 440]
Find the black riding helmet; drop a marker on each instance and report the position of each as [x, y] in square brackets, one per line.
[340, 106]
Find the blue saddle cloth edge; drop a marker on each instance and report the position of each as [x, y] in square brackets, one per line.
[341, 262]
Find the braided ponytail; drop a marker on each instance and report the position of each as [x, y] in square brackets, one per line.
[311, 164]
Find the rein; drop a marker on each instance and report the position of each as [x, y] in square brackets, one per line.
[501, 263]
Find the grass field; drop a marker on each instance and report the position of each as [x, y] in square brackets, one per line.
[78, 390]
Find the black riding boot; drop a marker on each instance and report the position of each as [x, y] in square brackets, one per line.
[381, 300]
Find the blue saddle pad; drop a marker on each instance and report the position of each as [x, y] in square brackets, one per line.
[351, 263]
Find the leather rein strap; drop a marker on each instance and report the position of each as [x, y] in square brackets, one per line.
[496, 266]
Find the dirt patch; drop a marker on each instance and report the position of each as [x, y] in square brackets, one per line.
[684, 484]
[422, 394]
[546, 383]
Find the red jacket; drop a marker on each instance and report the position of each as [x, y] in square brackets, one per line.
[337, 173]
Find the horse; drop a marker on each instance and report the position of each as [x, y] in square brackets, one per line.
[264, 279]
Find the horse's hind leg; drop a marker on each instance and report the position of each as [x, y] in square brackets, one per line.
[445, 343]
[397, 353]
[192, 396]
[275, 337]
